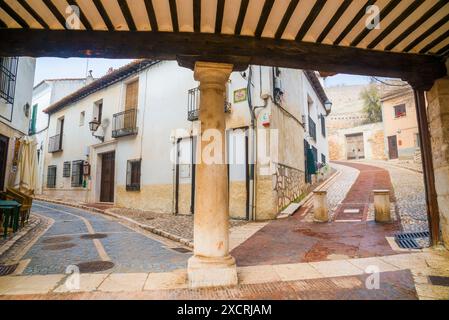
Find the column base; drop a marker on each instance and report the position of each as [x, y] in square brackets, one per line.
[211, 272]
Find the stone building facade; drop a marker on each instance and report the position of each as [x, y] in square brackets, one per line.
[146, 139]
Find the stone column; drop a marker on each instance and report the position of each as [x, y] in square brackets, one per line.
[438, 117]
[382, 210]
[211, 264]
[320, 208]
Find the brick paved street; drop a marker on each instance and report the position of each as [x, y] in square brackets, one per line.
[296, 239]
[65, 243]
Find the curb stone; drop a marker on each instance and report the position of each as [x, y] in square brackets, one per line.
[19, 235]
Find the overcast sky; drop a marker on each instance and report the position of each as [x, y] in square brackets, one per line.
[50, 68]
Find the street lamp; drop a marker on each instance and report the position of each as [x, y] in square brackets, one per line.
[93, 126]
[328, 106]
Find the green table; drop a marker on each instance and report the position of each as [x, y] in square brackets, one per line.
[10, 210]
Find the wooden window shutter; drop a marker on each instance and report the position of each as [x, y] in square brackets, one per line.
[132, 92]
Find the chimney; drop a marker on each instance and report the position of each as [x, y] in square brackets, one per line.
[89, 78]
[110, 70]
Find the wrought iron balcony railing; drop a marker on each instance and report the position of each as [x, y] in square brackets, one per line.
[193, 104]
[55, 143]
[124, 123]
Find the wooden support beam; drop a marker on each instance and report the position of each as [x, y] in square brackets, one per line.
[319, 4]
[197, 15]
[174, 15]
[429, 175]
[404, 15]
[33, 13]
[219, 16]
[340, 11]
[421, 70]
[151, 15]
[428, 33]
[354, 21]
[268, 5]
[127, 14]
[241, 16]
[286, 18]
[104, 15]
[382, 15]
[13, 14]
[417, 24]
[82, 17]
[55, 12]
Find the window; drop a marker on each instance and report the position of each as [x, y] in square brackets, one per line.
[323, 125]
[82, 117]
[132, 92]
[323, 159]
[8, 73]
[66, 169]
[98, 110]
[400, 111]
[133, 175]
[51, 177]
[312, 128]
[77, 173]
[315, 154]
[32, 129]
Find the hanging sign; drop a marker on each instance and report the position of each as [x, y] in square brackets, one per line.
[240, 95]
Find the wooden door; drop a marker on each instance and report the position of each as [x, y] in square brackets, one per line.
[392, 147]
[107, 177]
[4, 142]
[355, 148]
[185, 176]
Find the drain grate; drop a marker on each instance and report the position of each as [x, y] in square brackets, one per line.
[93, 236]
[408, 244]
[7, 270]
[439, 281]
[412, 235]
[94, 266]
[56, 239]
[182, 250]
[59, 246]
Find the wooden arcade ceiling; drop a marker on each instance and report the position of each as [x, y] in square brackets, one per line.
[411, 32]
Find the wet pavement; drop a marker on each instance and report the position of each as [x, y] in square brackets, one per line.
[69, 241]
[296, 239]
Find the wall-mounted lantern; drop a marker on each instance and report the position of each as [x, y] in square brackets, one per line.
[93, 126]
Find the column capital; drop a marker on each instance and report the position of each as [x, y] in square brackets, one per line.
[212, 73]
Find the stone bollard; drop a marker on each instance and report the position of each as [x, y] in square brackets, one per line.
[382, 205]
[320, 209]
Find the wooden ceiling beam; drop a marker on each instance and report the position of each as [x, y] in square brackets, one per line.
[417, 23]
[151, 15]
[197, 15]
[219, 16]
[421, 70]
[241, 16]
[13, 14]
[50, 5]
[174, 15]
[286, 18]
[33, 13]
[427, 34]
[268, 5]
[82, 17]
[127, 14]
[104, 15]
[340, 11]
[318, 6]
[354, 21]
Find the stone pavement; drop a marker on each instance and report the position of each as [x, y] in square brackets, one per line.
[77, 237]
[402, 276]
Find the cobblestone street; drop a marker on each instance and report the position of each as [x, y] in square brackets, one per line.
[77, 237]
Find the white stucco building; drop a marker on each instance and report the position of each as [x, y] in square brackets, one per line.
[46, 93]
[143, 153]
[16, 87]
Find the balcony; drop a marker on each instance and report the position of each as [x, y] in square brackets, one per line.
[55, 143]
[124, 123]
[312, 129]
[193, 104]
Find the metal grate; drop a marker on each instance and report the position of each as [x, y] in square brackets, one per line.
[408, 244]
[93, 236]
[412, 235]
[439, 281]
[94, 266]
[7, 269]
